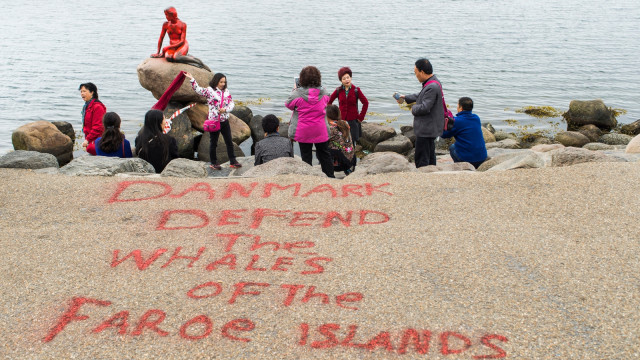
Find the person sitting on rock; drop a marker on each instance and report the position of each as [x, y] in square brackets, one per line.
[467, 130]
[273, 145]
[112, 142]
[340, 144]
[152, 145]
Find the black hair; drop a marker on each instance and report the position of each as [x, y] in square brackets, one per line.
[466, 103]
[424, 65]
[91, 87]
[216, 79]
[333, 112]
[152, 130]
[270, 124]
[112, 137]
[310, 77]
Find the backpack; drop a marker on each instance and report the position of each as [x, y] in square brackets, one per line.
[448, 116]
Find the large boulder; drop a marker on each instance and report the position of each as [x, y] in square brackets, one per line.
[521, 157]
[633, 147]
[488, 135]
[504, 144]
[593, 112]
[398, 144]
[185, 168]
[615, 139]
[382, 162]
[596, 146]
[182, 131]
[22, 159]
[221, 149]
[591, 131]
[572, 138]
[632, 129]
[572, 156]
[450, 167]
[66, 128]
[156, 74]
[409, 133]
[243, 113]
[43, 136]
[372, 134]
[106, 166]
[284, 166]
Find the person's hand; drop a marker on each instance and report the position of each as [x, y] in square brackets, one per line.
[84, 144]
[400, 99]
[222, 111]
[188, 74]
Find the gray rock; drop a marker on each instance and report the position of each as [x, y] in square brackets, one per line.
[185, 168]
[408, 132]
[283, 166]
[615, 139]
[572, 156]
[257, 133]
[243, 113]
[488, 135]
[44, 137]
[105, 166]
[372, 134]
[381, 163]
[502, 135]
[398, 144]
[595, 146]
[450, 167]
[632, 129]
[542, 148]
[411, 156]
[591, 131]
[182, 131]
[504, 144]
[156, 74]
[22, 159]
[633, 147]
[593, 112]
[221, 149]
[572, 138]
[528, 160]
[489, 127]
[247, 164]
[66, 128]
[498, 157]
[48, 171]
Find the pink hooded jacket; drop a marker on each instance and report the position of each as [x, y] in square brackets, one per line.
[308, 122]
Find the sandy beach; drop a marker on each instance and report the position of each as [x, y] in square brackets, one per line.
[523, 264]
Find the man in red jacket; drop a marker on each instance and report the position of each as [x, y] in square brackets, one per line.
[92, 113]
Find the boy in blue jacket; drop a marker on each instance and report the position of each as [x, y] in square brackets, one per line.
[467, 130]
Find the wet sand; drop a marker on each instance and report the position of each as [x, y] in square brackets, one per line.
[536, 264]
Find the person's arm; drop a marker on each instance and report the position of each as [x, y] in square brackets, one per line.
[230, 104]
[199, 90]
[427, 102]
[96, 123]
[365, 105]
[293, 100]
[160, 40]
[334, 95]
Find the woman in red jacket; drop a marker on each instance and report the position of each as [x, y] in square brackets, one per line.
[92, 114]
[348, 96]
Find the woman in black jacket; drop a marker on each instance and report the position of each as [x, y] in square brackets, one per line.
[154, 146]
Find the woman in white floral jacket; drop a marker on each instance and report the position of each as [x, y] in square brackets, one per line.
[220, 105]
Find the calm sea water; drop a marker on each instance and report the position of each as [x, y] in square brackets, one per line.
[503, 54]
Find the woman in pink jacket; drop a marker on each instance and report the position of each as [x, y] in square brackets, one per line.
[309, 125]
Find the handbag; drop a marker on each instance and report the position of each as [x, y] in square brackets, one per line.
[211, 126]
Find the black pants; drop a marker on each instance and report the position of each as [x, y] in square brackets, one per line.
[425, 151]
[322, 153]
[225, 129]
